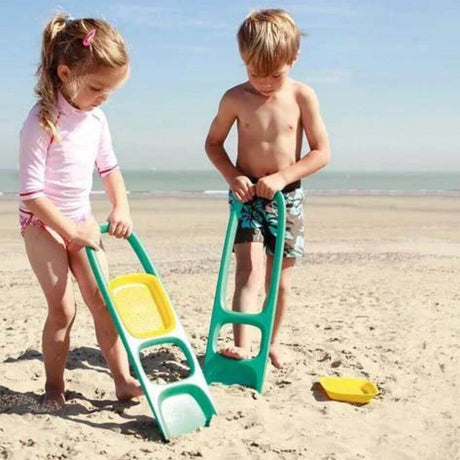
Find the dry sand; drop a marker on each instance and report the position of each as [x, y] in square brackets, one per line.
[377, 296]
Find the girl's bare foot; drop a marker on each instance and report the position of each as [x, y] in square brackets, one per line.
[52, 401]
[274, 355]
[235, 352]
[128, 389]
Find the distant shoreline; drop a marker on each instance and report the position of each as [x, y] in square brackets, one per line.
[208, 183]
[216, 194]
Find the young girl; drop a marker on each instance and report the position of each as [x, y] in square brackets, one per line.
[63, 137]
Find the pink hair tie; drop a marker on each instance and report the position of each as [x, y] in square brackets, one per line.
[89, 37]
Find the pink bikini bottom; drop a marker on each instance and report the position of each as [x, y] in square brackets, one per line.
[26, 219]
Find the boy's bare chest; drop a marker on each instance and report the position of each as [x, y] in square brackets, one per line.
[269, 120]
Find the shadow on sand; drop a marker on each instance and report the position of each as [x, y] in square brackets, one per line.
[164, 366]
[77, 408]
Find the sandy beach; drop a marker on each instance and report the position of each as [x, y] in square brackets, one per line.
[376, 296]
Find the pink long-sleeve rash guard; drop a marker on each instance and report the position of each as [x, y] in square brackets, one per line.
[63, 170]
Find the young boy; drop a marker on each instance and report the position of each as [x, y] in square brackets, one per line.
[272, 111]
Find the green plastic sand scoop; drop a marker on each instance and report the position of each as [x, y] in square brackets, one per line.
[144, 317]
[248, 372]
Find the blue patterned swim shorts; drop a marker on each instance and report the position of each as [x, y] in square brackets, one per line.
[259, 220]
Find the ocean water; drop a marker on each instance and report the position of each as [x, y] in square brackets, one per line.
[210, 183]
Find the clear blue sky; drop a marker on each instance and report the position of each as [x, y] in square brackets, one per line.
[387, 74]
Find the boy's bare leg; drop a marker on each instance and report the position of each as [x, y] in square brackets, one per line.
[249, 274]
[48, 258]
[126, 386]
[283, 293]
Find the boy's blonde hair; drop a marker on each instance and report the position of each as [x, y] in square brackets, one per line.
[268, 39]
[63, 43]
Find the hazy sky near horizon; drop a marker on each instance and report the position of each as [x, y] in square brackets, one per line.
[387, 75]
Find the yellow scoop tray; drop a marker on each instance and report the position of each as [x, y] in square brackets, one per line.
[142, 304]
[349, 389]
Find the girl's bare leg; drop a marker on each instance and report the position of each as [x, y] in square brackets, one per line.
[48, 258]
[126, 387]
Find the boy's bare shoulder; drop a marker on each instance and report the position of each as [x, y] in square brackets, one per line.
[303, 92]
[236, 92]
[234, 99]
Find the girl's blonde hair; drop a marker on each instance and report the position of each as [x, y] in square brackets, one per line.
[268, 39]
[64, 43]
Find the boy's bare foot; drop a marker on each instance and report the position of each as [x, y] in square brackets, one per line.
[235, 352]
[274, 355]
[128, 390]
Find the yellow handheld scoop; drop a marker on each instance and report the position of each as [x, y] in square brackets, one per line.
[349, 389]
